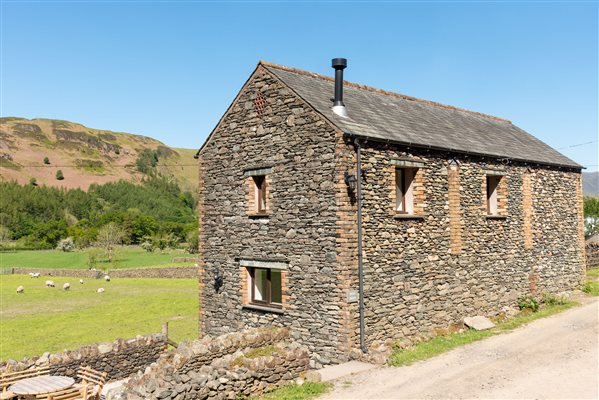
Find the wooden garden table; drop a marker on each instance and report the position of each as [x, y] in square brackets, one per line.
[40, 385]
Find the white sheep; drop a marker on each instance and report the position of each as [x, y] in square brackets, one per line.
[66, 286]
[81, 281]
[20, 289]
[31, 275]
[106, 278]
[36, 275]
[100, 290]
[50, 284]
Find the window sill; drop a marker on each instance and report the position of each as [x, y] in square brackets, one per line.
[496, 216]
[258, 215]
[408, 216]
[263, 308]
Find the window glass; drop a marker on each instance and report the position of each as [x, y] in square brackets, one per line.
[275, 283]
[492, 186]
[404, 189]
[399, 189]
[260, 193]
[260, 284]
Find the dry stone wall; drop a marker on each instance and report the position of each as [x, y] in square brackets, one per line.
[592, 255]
[78, 273]
[220, 368]
[119, 359]
[158, 272]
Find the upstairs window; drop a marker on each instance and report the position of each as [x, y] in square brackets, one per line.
[258, 187]
[404, 190]
[493, 194]
[260, 193]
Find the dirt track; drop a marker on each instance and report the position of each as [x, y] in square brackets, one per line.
[552, 358]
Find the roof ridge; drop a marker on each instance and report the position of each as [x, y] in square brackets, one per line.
[379, 91]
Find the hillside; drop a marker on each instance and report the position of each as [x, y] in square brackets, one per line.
[84, 155]
[590, 183]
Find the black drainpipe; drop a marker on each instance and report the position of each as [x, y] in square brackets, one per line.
[360, 261]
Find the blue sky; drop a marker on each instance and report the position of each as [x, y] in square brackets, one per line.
[169, 70]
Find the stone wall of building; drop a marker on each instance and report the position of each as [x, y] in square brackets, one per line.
[119, 359]
[430, 272]
[299, 229]
[226, 366]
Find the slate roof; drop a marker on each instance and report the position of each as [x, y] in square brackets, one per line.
[382, 115]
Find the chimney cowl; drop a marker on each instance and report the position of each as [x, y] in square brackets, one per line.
[338, 106]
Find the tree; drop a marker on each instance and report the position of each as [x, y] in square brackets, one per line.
[591, 215]
[59, 175]
[109, 237]
[5, 234]
[66, 244]
[46, 160]
[33, 181]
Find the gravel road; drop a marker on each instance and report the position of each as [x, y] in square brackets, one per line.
[551, 358]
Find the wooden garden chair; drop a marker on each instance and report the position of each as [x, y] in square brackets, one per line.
[73, 393]
[89, 377]
[8, 378]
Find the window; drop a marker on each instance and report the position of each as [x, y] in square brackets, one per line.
[258, 185]
[492, 194]
[260, 193]
[265, 287]
[404, 189]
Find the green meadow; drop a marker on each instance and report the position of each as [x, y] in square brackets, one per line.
[51, 319]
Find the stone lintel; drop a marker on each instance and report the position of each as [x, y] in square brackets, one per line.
[494, 172]
[258, 171]
[408, 163]
[263, 264]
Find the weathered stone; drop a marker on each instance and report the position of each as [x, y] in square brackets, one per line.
[313, 376]
[478, 323]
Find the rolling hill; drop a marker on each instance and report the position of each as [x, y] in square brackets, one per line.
[590, 183]
[85, 155]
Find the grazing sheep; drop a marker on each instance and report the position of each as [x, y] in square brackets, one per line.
[106, 278]
[20, 289]
[100, 290]
[66, 286]
[50, 284]
[81, 281]
[36, 275]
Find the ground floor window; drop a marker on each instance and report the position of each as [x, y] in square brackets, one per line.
[265, 287]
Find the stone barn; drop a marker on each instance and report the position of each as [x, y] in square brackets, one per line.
[354, 215]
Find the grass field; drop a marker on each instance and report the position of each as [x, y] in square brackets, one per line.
[441, 344]
[126, 257]
[51, 319]
[308, 390]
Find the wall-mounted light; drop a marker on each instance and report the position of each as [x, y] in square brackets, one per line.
[218, 280]
[350, 181]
